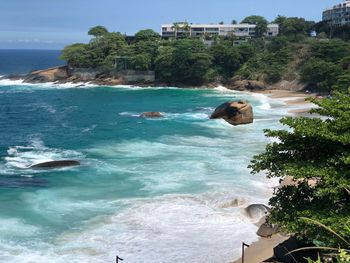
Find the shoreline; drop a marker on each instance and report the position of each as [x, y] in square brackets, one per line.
[263, 248]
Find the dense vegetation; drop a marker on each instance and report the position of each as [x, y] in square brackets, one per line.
[319, 62]
[316, 153]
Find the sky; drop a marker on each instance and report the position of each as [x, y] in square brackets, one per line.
[52, 24]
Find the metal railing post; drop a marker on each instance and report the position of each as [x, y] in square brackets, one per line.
[243, 246]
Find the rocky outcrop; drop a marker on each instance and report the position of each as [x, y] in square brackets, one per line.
[151, 114]
[252, 85]
[234, 112]
[55, 164]
[267, 230]
[48, 75]
[257, 211]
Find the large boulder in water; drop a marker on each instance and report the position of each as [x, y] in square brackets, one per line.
[48, 75]
[234, 112]
[257, 211]
[56, 164]
[151, 114]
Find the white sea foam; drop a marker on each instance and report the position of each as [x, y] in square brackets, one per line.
[9, 82]
[9, 228]
[203, 227]
[192, 115]
[46, 85]
[36, 152]
[172, 228]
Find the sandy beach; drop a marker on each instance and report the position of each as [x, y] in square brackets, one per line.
[295, 100]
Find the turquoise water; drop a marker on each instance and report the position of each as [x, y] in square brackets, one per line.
[148, 190]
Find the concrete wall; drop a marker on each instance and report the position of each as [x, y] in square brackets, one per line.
[137, 75]
[127, 75]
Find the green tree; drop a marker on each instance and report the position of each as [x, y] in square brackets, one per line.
[260, 22]
[104, 49]
[330, 51]
[226, 58]
[343, 83]
[345, 63]
[164, 63]
[277, 43]
[316, 149]
[76, 55]
[141, 62]
[147, 35]
[182, 30]
[185, 52]
[321, 74]
[185, 61]
[294, 27]
[97, 31]
[323, 27]
[148, 47]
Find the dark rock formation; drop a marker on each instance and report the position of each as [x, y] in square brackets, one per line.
[257, 211]
[13, 77]
[55, 164]
[251, 85]
[48, 75]
[281, 252]
[235, 113]
[151, 114]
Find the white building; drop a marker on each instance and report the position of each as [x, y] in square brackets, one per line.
[202, 30]
[338, 15]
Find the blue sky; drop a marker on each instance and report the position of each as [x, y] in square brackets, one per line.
[51, 24]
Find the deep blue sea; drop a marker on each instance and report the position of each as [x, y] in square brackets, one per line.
[148, 190]
[24, 61]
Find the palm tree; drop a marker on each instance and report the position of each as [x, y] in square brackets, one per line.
[187, 28]
[176, 27]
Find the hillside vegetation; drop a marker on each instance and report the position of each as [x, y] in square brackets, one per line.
[320, 63]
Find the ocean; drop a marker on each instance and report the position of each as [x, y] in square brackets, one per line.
[23, 61]
[172, 189]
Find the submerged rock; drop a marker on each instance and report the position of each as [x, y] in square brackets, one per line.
[56, 164]
[151, 114]
[21, 182]
[234, 112]
[257, 211]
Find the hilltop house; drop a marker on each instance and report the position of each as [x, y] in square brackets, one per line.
[210, 30]
[338, 15]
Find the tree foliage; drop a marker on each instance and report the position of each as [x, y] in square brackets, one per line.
[260, 22]
[147, 35]
[97, 31]
[321, 74]
[294, 27]
[315, 149]
[184, 60]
